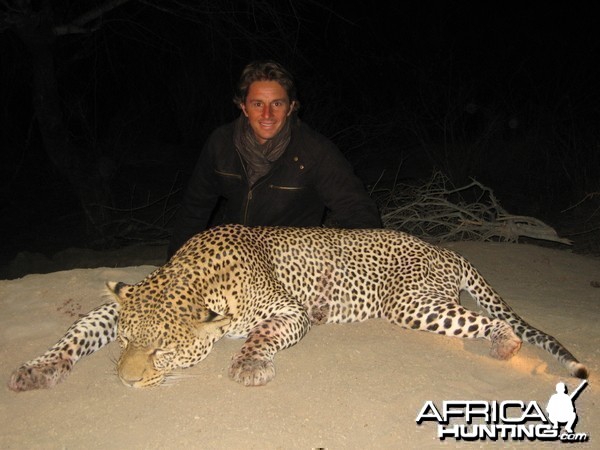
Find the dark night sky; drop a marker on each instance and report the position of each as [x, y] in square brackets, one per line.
[146, 88]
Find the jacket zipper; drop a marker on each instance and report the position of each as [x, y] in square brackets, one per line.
[231, 175]
[285, 188]
[250, 195]
[249, 198]
[250, 191]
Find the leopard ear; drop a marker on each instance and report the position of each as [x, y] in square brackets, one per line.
[119, 291]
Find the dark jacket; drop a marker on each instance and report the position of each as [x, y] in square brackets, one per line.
[310, 176]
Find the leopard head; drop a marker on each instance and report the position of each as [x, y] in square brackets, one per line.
[161, 330]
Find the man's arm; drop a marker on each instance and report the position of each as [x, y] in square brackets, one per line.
[343, 192]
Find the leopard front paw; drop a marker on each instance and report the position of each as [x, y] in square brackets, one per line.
[43, 375]
[251, 372]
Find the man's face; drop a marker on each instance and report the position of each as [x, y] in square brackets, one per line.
[267, 107]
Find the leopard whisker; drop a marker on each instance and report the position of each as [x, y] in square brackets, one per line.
[174, 377]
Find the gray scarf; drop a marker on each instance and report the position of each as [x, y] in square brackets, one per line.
[260, 157]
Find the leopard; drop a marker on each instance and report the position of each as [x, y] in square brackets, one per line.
[269, 286]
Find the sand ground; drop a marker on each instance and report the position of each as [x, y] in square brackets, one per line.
[342, 387]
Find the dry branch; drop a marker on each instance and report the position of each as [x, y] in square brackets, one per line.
[438, 211]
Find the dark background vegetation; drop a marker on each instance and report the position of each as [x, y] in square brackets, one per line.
[104, 105]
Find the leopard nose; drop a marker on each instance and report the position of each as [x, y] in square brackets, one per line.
[129, 382]
[133, 366]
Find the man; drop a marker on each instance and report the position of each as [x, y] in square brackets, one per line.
[270, 167]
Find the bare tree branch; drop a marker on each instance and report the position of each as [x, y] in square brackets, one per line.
[436, 211]
[79, 24]
[21, 15]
